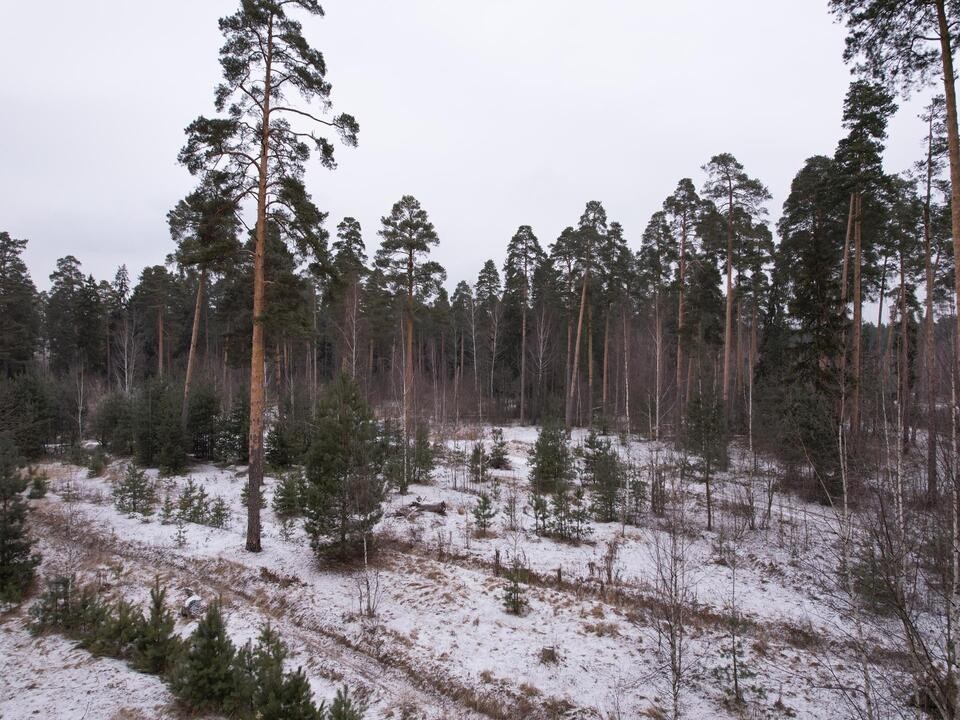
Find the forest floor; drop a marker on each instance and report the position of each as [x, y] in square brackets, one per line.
[441, 644]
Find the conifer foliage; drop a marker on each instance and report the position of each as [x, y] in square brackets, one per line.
[17, 563]
[344, 482]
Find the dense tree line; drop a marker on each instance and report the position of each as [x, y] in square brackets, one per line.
[704, 305]
[708, 307]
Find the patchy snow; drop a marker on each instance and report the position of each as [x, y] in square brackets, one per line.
[50, 677]
[442, 644]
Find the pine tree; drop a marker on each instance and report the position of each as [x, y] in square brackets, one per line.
[407, 238]
[346, 291]
[345, 707]
[617, 274]
[204, 679]
[524, 255]
[488, 294]
[550, 461]
[158, 432]
[157, 646]
[344, 486]
[16, 561]
[219, 514]
[204, 225]
[288, 498]
[655, 262]
[859, 163]
[730, 186]
[118, 632]
[279, 695]
[580, 247]
[499, 460]
[483, 514]
[167, 510]
[278, 449]
[203, 421]
[73, 319]
[267, 63]
[134, 492]
[706, 436]
[155, 300]
[19, 319]
[424, 456]
[607, 476]
[683, 209]
[514, 596]
[233, 441]
[903, 43]
[479, 461]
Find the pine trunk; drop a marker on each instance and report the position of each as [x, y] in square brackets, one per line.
[257, 361]
[590, 366]
[575, 368]
[160, 341]
[604, 391]
[192, 353]
[626, 368]
[728, 320]
[929, 360]
[678, 421]
[408, 373]
[523, 355]
[857, 321]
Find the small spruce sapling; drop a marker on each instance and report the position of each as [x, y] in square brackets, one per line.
[550, 461]
[167, 510]
[119, 631]
[514, 597]
[219, 515]
[479, 462]
[205, 679]
[96, 464]
[424, 456]
[279, 695]
[345, 707]
[288, 500]
[180, 537]
[157, 646]
[498, 452]
[483, 513]
[541, 514]
[39, 484]
[134, 493]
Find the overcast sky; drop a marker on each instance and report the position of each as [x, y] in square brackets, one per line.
[492, 114]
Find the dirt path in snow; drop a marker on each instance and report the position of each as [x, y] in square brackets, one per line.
[397, 684]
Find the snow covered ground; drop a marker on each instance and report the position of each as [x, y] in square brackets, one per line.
[441, 644]
[49, 677]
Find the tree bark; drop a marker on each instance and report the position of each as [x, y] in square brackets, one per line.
[678, 422]
[590, 366]
[626, 368]
[192, 353]
[160, 341]
[929, 361]
[523, 353]
[953, 152]
[857, 321]
[605, 385]
[408, 373]
[257, 363]
[657, 355]
[728, 320]
[571, 392]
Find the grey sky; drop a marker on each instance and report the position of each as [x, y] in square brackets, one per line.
[492, 114]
